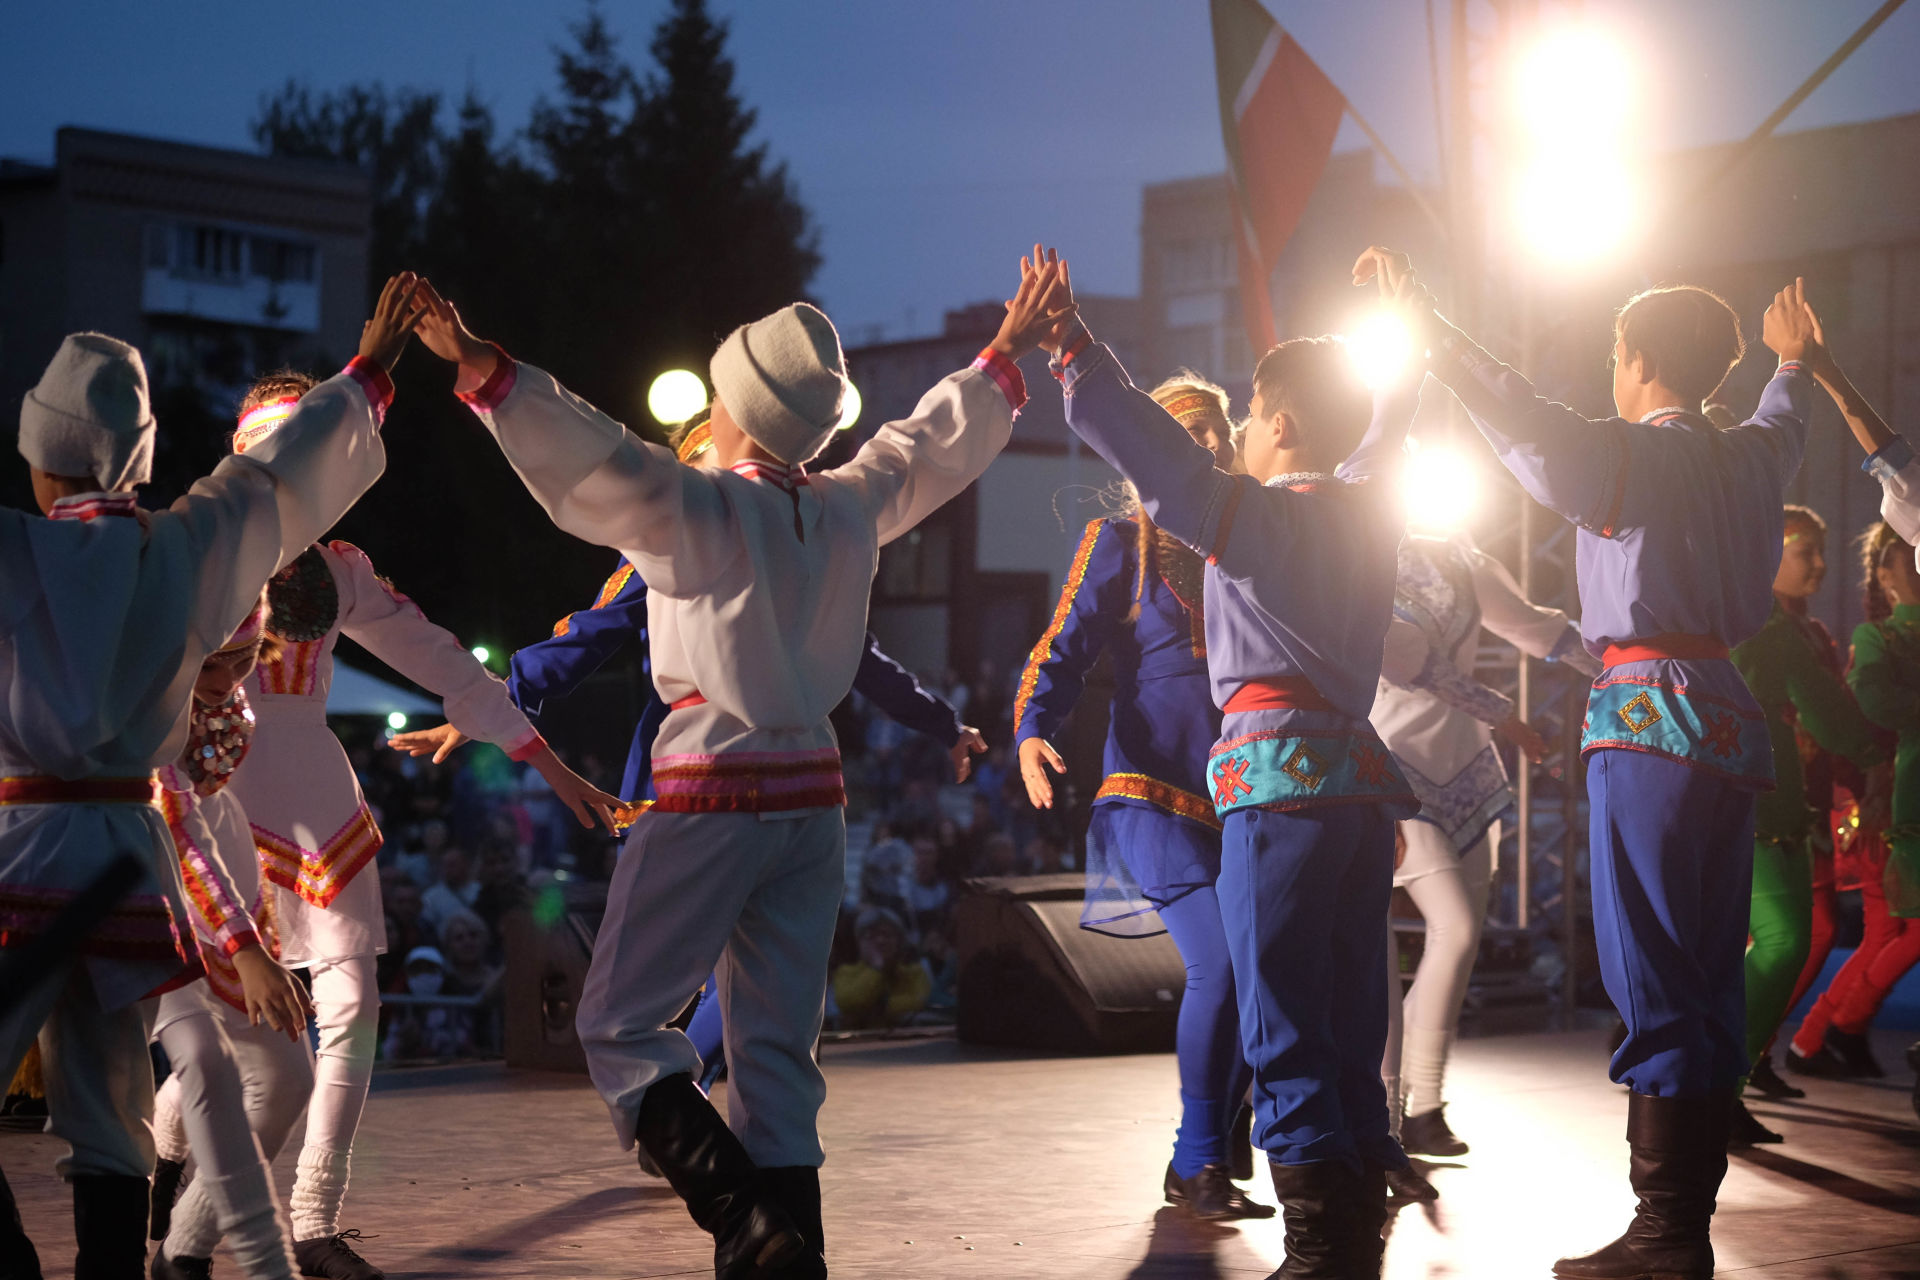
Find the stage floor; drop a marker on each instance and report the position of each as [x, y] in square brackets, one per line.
[950, 1162]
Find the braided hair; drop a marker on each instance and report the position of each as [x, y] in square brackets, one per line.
[1877, 544]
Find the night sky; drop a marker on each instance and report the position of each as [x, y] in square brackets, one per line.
[931, 140]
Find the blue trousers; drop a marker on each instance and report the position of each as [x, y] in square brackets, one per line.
[1213, 1070]
[708, 1033]
[1672, 854]
[1305, 897]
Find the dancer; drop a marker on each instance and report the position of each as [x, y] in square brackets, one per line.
[1786, 669]
[236, 1041]
[1153, 843]
[107, 615]
[316, 834]
[1439, 723]
[1299, 592]
[1832, 1040]
[1679, 534]
[759, 575]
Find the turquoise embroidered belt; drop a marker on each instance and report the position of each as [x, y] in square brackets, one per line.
[1282, 770]
[1701, 730]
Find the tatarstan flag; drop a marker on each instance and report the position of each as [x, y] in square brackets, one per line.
[1278, 113]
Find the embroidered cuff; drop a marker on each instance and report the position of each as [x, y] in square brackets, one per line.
[1791, 367]
[374, 381]
[1892, 458]
[488, 395]
[1090, 357]
[232, 944]
[1456, 357]
[528, 747]
[1078, 340]
[1006, 374]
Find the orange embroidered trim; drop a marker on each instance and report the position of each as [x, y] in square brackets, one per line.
[297, 672]
[611, 588]
[223, 977]
[1182, 804]
[1076, 575]
[318, 875]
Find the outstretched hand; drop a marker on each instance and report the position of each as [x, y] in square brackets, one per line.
[1401, 291]
[1043, 304]
[1036, 757]
[448, 337]
[272, 994]
[1790, 329]
[962, 752]
[439, 741]
[384, 336]
[587, 801]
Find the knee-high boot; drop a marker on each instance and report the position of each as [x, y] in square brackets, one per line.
[110, 1224]
[1679, 1156]
[18, 1261]
[797, 1190]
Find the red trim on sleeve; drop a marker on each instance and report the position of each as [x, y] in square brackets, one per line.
[1225, 530]
[489, 395]
[234, 944]
[374, 381]
[1005, 373]
[527, 750]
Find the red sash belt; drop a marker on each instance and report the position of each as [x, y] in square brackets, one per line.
[35, 790]
[1278, 693]
[691, 700]
[1674, 645]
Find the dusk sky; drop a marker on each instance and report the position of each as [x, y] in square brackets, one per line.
[930, 140]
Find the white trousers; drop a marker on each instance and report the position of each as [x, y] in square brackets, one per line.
[346, 1014]
[276, 1079]
[754, 899]
[1451, 892]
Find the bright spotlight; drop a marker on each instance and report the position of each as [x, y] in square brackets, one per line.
[1575, 210]
[1442, 489]
[675, 396]
[849, 408]
[1380, 347]
[396, 720]
[1574, 88]
[481, 653]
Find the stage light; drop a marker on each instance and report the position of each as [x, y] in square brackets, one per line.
[675, 396]
[481, 653]
[1442, 489]
[1574, 88]
[849, 408]
[396, 720]
[1380, 347]
[1576, 211]
[1575, 193]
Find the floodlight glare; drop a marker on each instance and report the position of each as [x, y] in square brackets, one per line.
[396, 720]
[1442, 489]
[481, 653]
[1380, 347]
[675, 396]
[849, 408]
[1576, 210]
[1574, 88]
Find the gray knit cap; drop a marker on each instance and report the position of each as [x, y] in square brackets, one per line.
[90, 416]
[784, 381]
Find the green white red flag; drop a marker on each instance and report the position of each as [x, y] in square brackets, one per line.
[1278, 114]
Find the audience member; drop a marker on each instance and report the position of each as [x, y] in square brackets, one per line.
[886, 986]
[454, 891]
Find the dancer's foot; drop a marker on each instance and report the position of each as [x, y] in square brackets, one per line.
[1240, 1144]
[333, 1258]
[1211, 1196]
[1822, 1064]
[1763, 1079]
[1852, 1048]
[165, 1268]
[1747, 1131]
[1427, 1134]
[1410, 1186]
[168, 1177]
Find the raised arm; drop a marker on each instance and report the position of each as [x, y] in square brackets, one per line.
[892, 688]
[1890, 457]
[580, 645]
[1879, 680]
[1826, 708]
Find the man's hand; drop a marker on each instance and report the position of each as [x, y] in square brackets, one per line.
[1401, 294]
[1522, 735]
[272, 993]
[440, 741]
[587, 801]
[384, 336]
[1790, 328]
[448, 337]
[971, 744]
[1033, 772]
[1038, 308]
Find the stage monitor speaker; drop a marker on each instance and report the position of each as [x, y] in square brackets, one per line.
[1032, 978]
[547, 957]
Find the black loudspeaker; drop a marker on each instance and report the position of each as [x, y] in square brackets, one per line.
[1032, 978]
[548, 948]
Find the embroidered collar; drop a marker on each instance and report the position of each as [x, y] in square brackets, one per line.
[1299, 480]
[91, 506]
[781, 477]
[1659, 416]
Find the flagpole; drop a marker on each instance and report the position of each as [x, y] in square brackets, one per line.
[1393, 161]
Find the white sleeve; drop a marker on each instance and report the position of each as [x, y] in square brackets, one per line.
[1900, 502]
[392, 628]
[1406, 654]
[602, 483]
[1533, 629]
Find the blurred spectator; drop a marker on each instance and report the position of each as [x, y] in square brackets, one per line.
[929, 898]
[943, 971]
[455, 890]
[406, 931]
[885, 870]
[886, 986]
[417, 1031]
[1046, 857]
[998, 857]
[951, 687]
[421, 859]
[463, 942]
[502, 888]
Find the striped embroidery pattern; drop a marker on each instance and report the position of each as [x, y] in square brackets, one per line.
[297, 672]
[223, 978]
[749, 782]
[90, 507]
[1043, 648]
[611, 588]
[318, 875]
[141, 928]
[1138, 786]
[223, 916]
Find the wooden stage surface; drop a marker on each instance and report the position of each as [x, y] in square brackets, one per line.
[946, 1161]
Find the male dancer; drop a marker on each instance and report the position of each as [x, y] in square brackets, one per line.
[1679, 537]
[1299, 592]
[759, 576]
[107, 615]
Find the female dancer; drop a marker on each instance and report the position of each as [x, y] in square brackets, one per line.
[1439, 723]
[1832, 1040]
[316, 834]
[1154, 841]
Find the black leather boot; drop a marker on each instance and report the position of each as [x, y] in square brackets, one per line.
[1367, 1225]
[110, 1224]
[1410, 1186]
[168, 1175]
[1747, 1131]
[1679, 1156]
[1856, 1051]
[1767, 1081]
[1429, 1134]
[753, 1237]
[1210, 1195]
[1319, 1204]
[18, 1261]
[796, 1189]
[1240, 1144]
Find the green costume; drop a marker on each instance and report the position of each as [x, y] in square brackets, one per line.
[1784, 668]
[1886, 679]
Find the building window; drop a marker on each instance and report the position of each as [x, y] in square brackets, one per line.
[280, 260]
[211, 253]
